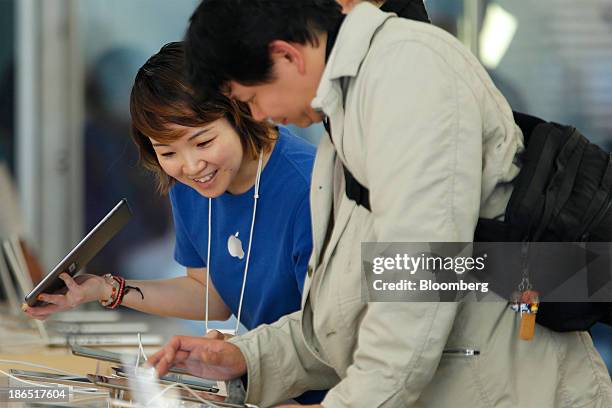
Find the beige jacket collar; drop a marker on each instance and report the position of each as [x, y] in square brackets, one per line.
[350, 50]
[353, 41]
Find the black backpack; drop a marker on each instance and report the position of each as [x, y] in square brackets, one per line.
[563, 193]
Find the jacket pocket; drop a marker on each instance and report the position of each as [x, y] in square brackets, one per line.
[457, 381]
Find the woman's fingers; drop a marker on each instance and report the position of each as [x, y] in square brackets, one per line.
[59, 300]
[40, 312]
[70, 283]
[76, 294]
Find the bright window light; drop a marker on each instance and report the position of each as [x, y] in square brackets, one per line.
[497, 32]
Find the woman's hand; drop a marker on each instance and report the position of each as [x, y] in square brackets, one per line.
[82, 289]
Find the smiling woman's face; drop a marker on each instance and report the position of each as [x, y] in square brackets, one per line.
[205, 158]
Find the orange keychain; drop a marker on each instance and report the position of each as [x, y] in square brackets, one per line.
[528, 309]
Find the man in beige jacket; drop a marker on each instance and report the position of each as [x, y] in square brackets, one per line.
[416, 119]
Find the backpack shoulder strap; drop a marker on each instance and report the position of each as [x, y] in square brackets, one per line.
[361, 195]
[527, 123]
[355, 191]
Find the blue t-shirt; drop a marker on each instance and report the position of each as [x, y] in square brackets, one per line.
[282, 240]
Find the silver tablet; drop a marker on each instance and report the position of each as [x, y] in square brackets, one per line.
[105, 355]
[83, 252]
[122, 384]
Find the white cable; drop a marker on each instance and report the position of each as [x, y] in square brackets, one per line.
[181, 385]
[113, 402]
[140, 352]
[47, 385]
[208, 262]
[25, 381]
[246, 266]
[92, 398]
[27, 363]
[68, 375]
[82, 390]
[126, 404]
[144, 355]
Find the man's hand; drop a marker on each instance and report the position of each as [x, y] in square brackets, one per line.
[217, 335]
[202, 357]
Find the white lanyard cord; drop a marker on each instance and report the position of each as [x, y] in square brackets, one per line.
[208, 262]
[246, 266]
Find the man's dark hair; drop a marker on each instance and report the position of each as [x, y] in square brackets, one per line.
[228, 40]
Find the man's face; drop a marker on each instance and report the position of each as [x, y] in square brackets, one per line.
[287, 98]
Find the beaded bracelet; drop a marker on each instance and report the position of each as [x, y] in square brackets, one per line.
[118, 285]
[119, 298]
[108, 278]
[120, 289]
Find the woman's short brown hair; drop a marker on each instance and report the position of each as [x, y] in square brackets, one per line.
[161, 96]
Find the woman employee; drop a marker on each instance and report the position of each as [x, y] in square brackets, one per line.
[239, 195]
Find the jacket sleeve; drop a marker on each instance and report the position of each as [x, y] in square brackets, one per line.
[279, 365]
[422, 136]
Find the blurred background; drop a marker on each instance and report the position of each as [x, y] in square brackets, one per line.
[66, 68]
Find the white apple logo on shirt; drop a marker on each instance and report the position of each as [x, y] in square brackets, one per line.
[234, 246]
